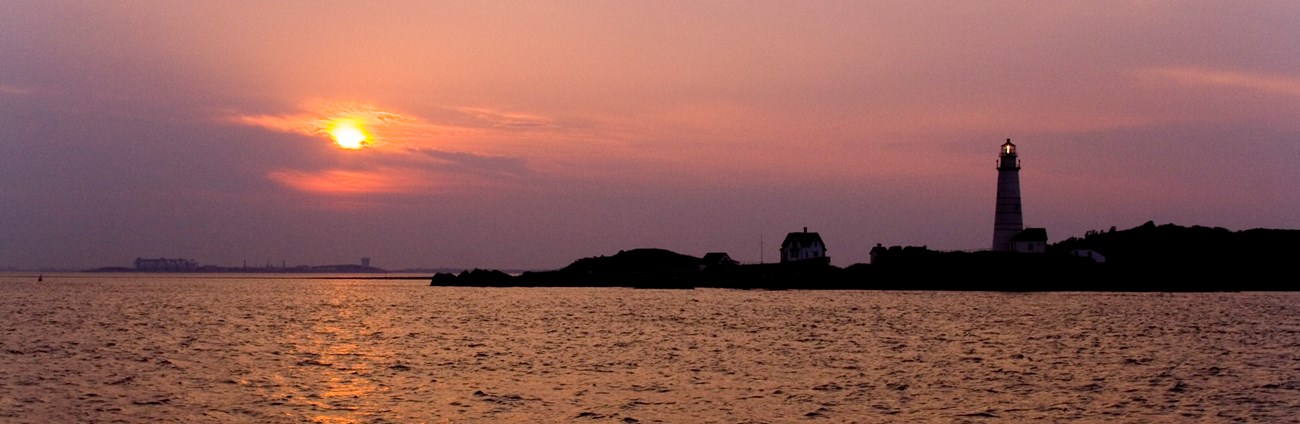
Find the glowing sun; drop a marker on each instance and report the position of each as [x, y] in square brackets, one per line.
[348, 134]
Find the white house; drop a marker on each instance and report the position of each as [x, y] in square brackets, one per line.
[803, 247]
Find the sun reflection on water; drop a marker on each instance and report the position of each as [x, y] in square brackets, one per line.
[335, 373]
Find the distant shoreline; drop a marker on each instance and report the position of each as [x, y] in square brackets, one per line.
[1147, 258]
[226, 275]
[326, 269]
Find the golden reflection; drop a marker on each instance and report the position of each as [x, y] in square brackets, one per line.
[335, 375]
[353, 387]
[343, 349]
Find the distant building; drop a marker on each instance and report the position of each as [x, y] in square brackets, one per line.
[1031, 240]
[716, 259]
[166, 265]
[365, 261]
[803, 246]
[896, 255]
[877, 252]
[1090, 254]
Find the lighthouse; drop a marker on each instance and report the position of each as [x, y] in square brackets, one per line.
[1007, 221]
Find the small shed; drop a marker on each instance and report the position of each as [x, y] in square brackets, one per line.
[1030, 240]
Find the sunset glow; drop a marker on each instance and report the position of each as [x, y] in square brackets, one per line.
[348, 182]
[348, 134]
[528, 134]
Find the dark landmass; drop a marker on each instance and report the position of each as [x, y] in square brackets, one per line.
[305, 269]
[1167, 258]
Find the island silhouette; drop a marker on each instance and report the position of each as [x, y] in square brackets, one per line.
[1148, 257]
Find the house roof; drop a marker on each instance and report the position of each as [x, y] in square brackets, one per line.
[802, 239]
[1031, 234]
[717, 258]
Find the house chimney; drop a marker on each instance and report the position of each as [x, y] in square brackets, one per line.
[805, 229]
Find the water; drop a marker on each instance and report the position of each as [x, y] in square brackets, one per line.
[130, 348]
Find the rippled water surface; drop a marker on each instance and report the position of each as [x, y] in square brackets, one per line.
[129, 348]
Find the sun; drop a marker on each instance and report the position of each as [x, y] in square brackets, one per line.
[348, 134]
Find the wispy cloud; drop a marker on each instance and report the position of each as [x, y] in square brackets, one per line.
[508, 120]
[412, 155]
[317, 118]
[431, 158]
[476, 163]
[344, 182]
[457, 126]
[15, 90]
[430, 172]
[1279, 84]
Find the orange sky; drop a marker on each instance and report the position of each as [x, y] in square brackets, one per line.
[528, 134]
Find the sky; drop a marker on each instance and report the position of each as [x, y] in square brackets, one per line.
[528, 134]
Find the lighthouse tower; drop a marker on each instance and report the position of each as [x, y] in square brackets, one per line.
[1007, 221]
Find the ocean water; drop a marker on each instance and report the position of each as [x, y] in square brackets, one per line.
[80, 348]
